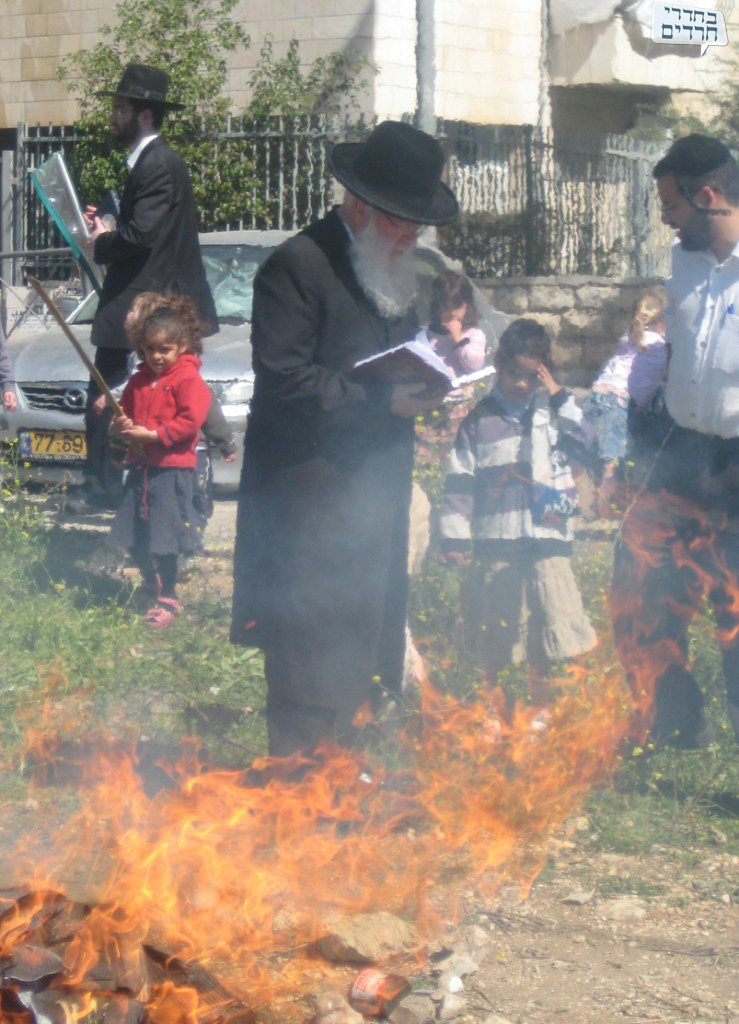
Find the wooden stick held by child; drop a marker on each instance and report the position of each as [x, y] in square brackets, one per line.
[164, 404]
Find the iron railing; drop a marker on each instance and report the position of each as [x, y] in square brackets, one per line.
[533, 204]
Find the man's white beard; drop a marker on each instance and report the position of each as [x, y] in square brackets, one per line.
[389, 279]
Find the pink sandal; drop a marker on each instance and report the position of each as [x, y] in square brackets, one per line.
[163, 613]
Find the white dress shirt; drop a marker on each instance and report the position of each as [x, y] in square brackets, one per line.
[136, 153]
[702, 320]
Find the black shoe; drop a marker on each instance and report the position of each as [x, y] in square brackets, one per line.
[105, 502]
[88, 504]
[700, 736]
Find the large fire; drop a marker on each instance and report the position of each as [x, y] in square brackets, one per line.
[200, 901]
[148, 896]
[651, 625]
[240, 872]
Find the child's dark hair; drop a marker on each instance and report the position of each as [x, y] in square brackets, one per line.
[450, 290]
[173, 315]
[525, 338]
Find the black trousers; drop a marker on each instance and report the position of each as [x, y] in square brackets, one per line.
[680, 541]
[103, 480]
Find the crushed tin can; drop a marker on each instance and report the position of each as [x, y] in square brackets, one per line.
[375, 993]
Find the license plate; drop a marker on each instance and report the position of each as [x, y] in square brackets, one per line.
[52, 445]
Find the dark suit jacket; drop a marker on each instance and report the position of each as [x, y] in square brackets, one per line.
[155, 247]
[311, 323]
[321, 549]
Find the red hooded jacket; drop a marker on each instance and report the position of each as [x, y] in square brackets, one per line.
[174, 404]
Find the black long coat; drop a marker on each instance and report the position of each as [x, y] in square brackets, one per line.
[155, 247]
[322, 537]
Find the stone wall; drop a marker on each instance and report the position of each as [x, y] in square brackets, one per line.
[481, 46]
[37, 35]
[585, 316]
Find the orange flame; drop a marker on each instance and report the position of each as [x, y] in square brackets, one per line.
[656, 524]
[218, 871]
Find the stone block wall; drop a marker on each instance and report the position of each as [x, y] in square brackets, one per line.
[480, 48]
[585, 316]
[37, 35]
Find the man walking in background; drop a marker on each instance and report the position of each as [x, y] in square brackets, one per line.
[153, 247]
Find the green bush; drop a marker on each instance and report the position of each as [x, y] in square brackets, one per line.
[484, 242]
[192, 40]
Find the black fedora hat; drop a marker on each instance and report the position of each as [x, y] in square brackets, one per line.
[142, 82]
[397, 169]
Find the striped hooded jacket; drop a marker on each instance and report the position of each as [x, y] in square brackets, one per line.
[508, 478]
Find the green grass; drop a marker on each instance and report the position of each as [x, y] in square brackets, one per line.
[77, 659]
[654, 797]
[627, 885]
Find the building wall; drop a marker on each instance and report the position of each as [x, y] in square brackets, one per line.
[322, 26]
[603, 54]
[488, 60]
[481, 48]
[488, 54]
[394, 54]
[35, 35]
[597, 109]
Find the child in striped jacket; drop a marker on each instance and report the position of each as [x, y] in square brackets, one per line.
[508, 508]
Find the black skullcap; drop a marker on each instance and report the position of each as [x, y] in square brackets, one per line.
[695, 155]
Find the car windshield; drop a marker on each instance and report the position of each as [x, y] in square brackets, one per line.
[230, 270]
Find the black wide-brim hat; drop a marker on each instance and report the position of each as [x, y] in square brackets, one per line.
[397, 169]
[144, 83]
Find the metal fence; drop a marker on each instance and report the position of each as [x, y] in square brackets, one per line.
[35, 233]
[290, 180]
[289, 156]
[538, 205]
[532, 204]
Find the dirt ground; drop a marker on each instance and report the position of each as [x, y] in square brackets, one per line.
[567, 953]
[601, 939]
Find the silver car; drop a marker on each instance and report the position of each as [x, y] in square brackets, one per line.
[47, 432]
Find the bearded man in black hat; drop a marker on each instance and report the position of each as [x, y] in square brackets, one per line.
[321, 551]
[153, 247]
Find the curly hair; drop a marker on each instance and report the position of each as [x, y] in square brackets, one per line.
[173, 315]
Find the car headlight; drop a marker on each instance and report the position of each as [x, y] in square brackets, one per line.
[233, 392]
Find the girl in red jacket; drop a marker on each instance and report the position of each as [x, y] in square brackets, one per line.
[164, 406]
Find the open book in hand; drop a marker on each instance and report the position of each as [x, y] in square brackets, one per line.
[414, 362]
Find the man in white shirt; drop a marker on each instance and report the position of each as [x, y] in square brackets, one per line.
[681, 536]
